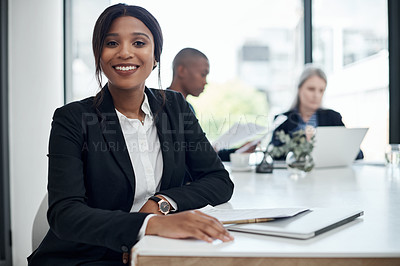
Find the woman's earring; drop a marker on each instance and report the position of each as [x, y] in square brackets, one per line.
[155, 64]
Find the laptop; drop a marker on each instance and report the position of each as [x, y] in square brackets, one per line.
[302, 226]
[337, 146]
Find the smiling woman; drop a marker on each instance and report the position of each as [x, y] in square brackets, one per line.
[102, 201]
[127, 60]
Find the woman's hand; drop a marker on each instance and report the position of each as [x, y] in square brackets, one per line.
[248, 147]
[310, 132]
[188, 224]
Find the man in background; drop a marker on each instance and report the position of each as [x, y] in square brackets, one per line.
[190, 69]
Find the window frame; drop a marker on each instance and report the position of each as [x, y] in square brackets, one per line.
[307, 7]
[5, 225]
[394, 70]
[67, 51]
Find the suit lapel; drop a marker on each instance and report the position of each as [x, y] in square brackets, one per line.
[112, 132]
[293, 119]
[321, 118]
[163, 125]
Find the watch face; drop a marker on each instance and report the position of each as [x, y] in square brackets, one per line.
[164, 207]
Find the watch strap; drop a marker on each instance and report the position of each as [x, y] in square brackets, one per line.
[156, 199]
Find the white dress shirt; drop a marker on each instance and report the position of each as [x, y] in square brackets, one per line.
[144, 151]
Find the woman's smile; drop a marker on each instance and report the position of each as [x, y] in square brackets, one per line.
[125, 69]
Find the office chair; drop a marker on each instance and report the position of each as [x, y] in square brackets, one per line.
[40, 224]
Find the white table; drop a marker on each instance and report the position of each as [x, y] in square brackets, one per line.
[373, 239]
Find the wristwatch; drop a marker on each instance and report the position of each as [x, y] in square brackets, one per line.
[163, 205]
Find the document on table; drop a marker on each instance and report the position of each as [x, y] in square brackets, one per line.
[238, 134]
[241, 216]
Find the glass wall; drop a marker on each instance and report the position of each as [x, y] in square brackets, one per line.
[350, 42]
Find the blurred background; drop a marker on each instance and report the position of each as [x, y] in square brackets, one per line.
[256, 54]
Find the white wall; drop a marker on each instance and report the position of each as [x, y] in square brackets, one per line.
[36, 89]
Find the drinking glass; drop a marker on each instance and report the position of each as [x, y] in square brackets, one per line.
[392, 155]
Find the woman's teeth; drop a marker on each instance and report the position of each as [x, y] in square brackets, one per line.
[125, 68]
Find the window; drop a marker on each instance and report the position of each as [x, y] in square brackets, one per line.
[79, 20]
[353, 50]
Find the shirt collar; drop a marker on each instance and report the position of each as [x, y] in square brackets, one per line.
[312, 122]
[145, 108]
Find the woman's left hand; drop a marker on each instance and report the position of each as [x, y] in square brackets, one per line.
[188, 224]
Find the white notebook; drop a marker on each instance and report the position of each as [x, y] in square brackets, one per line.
[302, 226]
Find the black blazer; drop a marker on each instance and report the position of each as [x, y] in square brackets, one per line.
[325, 117]
[91, 181]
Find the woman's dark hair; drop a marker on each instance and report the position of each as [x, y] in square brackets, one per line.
[103, 25]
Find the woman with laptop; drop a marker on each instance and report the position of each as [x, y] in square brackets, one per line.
[306, 112]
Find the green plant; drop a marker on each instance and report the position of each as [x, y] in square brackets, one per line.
[297, 143]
